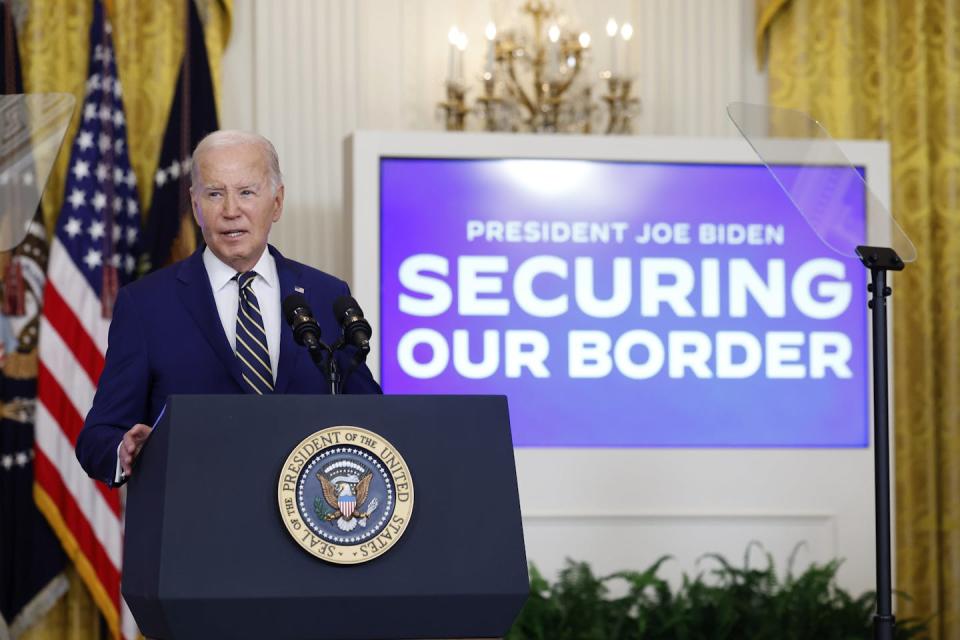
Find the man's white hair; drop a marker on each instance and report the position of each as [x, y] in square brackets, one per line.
[233, 138]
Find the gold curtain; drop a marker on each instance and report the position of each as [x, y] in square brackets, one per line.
[891, 69]
[149, 43]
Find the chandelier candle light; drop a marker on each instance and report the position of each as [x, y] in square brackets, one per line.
[534, 79]
[620, 103]
[455, 109]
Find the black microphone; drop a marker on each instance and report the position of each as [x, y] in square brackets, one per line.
[356, 330]
[299, 316]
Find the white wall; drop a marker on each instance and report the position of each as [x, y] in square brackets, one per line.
[305, 73]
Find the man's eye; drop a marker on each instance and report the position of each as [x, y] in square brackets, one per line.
[247, 192]
[214, 194]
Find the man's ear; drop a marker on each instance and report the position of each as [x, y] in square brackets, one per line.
[195, 209]
[278, 203]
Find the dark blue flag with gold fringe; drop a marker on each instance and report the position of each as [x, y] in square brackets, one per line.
[171, 233]
[31, 559]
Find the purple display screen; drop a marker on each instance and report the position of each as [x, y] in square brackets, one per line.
[623, 304]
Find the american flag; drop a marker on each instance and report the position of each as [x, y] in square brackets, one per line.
[92, 254]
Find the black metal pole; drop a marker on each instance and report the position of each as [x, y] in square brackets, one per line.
[879, 261]
[883, 621]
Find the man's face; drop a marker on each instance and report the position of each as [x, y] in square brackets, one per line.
[235, 204]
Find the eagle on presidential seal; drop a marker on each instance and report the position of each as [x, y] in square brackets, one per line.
[346, 494]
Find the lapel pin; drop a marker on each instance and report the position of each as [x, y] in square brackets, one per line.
[298, 289]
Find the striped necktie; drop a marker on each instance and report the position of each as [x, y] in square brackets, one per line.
[252, 339]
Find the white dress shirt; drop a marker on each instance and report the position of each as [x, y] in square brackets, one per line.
[226, 295]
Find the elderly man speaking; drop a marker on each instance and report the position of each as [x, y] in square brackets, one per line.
[212, 323]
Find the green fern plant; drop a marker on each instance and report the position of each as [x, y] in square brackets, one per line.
[721, 602]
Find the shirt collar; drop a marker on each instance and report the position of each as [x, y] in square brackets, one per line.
[220, 273]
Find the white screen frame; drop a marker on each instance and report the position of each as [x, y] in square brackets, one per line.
[643, 503]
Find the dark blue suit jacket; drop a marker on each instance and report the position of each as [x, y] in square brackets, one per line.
[166, 338]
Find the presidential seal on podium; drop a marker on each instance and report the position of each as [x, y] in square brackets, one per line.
[345, 495]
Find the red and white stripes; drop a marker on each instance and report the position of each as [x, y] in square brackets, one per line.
[86, 515]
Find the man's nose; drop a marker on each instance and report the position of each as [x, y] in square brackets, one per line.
[231, 205]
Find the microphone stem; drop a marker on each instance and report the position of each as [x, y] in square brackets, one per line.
[327, 365]
[334, 374]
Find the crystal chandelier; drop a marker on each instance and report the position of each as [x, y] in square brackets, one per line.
[536, 79]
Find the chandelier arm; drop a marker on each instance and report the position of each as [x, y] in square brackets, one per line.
[611, 125]
[517, 90]
[563, 86]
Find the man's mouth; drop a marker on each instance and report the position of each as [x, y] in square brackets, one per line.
[233, 234]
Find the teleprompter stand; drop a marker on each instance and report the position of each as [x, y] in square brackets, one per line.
[207, 554]
[815, 174]
[879, 260]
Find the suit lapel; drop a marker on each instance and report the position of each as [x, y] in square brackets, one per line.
[290, 352]
[197, 296]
